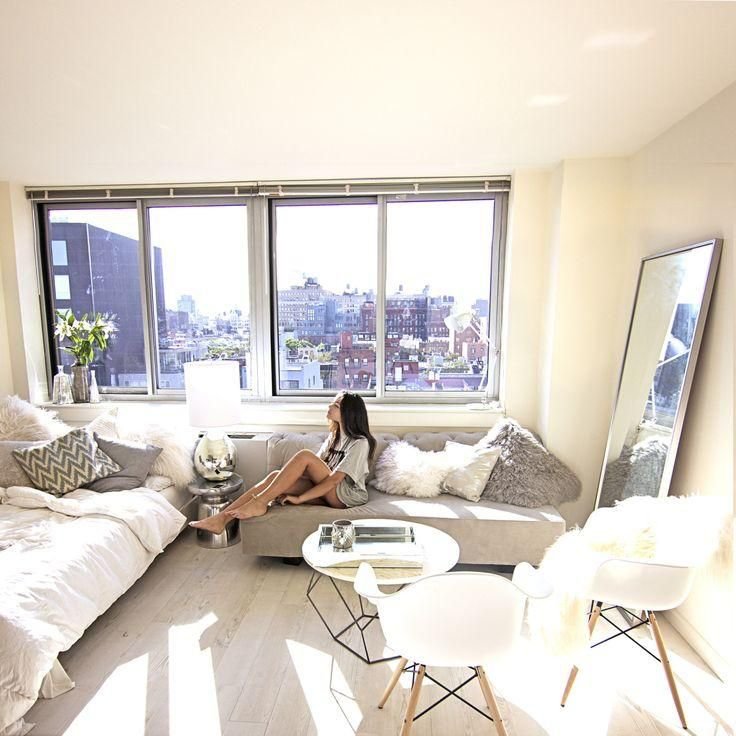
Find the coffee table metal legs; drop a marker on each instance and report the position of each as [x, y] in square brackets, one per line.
[361, 622]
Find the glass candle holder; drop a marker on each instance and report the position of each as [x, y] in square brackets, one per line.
[343, 534]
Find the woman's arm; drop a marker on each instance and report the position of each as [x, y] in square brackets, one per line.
[321, 489]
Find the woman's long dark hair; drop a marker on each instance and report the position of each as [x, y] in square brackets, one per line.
[354, 418]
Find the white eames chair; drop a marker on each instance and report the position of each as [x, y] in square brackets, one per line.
[637, 585]
[456, 619]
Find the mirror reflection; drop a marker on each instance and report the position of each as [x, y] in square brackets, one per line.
[663, 336]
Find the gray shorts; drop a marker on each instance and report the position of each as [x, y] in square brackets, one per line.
[350, 494]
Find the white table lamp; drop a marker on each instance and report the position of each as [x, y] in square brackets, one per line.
[213, 401]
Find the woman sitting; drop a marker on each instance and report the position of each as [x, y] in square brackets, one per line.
[335, 476]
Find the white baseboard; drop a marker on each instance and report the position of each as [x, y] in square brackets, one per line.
[702, 647]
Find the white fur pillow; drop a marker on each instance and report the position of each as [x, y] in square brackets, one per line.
[405, 470]
[177, 447]
[22, 421]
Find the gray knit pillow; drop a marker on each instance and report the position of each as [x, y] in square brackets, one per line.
[526, 473]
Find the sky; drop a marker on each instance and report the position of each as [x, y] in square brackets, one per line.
[446, 245]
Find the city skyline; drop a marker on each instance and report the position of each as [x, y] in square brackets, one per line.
[323, 241]
[333, 324]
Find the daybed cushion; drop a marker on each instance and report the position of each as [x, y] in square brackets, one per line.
[282, 446]
[487, 532]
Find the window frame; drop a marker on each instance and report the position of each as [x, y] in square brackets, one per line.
[48, 312]
[262, 279]
[273, 204]
[495, 294]
[151, 316]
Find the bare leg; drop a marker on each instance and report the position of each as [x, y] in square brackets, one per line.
[288, 481]
[217, 522]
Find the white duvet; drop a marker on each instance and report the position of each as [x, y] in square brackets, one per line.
[64, 561]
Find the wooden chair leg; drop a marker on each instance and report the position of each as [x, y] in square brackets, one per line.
[392, 682]
[487, 690]
[574, 671]
[667, 668]
[411, 707]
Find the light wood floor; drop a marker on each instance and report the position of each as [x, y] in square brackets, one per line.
[214, 643]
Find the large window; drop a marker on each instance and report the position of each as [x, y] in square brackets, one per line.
[95, 267]
[312, 288]
[326, 295]
[199, 258]
[438, 271]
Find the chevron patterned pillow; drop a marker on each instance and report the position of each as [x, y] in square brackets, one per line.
[66, 463]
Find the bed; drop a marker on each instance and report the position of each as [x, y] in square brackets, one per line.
[63, 562]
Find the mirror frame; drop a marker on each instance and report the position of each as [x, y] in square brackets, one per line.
[669, 465]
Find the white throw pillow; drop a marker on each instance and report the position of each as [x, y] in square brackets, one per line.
[105, 425]
[471, 467]
[405, 470]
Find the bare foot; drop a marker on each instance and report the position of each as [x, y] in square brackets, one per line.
[249, 510]
[214, 524]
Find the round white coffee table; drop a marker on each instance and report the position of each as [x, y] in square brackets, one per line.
[441, 553]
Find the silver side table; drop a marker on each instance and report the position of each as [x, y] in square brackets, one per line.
[215, 496]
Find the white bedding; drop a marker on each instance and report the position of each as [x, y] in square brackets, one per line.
[63, 562]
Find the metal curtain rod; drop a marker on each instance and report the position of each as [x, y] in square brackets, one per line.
[326, 187]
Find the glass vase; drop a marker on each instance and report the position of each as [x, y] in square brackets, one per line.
[94, 391]
[62, 391]
[80, 384]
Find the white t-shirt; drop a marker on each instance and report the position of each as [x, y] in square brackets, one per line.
[349, 457]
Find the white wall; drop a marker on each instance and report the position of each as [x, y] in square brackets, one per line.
[6, 368]
[584, 329]
[22, 315]
[529, 225]
[683, 190]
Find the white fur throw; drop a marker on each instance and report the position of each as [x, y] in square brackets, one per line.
[20, 420]
[405, 470]
[176, 443]
[687, 530]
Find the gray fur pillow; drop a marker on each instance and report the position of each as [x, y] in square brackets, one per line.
[526, 473]
[636, 472]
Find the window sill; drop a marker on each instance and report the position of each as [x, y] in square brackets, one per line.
[264, 416]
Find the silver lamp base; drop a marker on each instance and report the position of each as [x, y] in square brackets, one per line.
[214, 457]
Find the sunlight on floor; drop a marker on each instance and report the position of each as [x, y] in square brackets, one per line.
[329, 697]
[107, 712]
[617, 684]
[192, 691]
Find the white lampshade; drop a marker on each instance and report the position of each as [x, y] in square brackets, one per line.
[213, 392]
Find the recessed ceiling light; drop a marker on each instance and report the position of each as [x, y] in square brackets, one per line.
[546, 100]
[617, 38]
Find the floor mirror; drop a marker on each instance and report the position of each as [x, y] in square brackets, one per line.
[666, 328]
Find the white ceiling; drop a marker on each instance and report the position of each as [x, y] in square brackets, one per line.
[134, 91]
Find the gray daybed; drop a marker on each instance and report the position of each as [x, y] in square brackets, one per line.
[488, 533]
